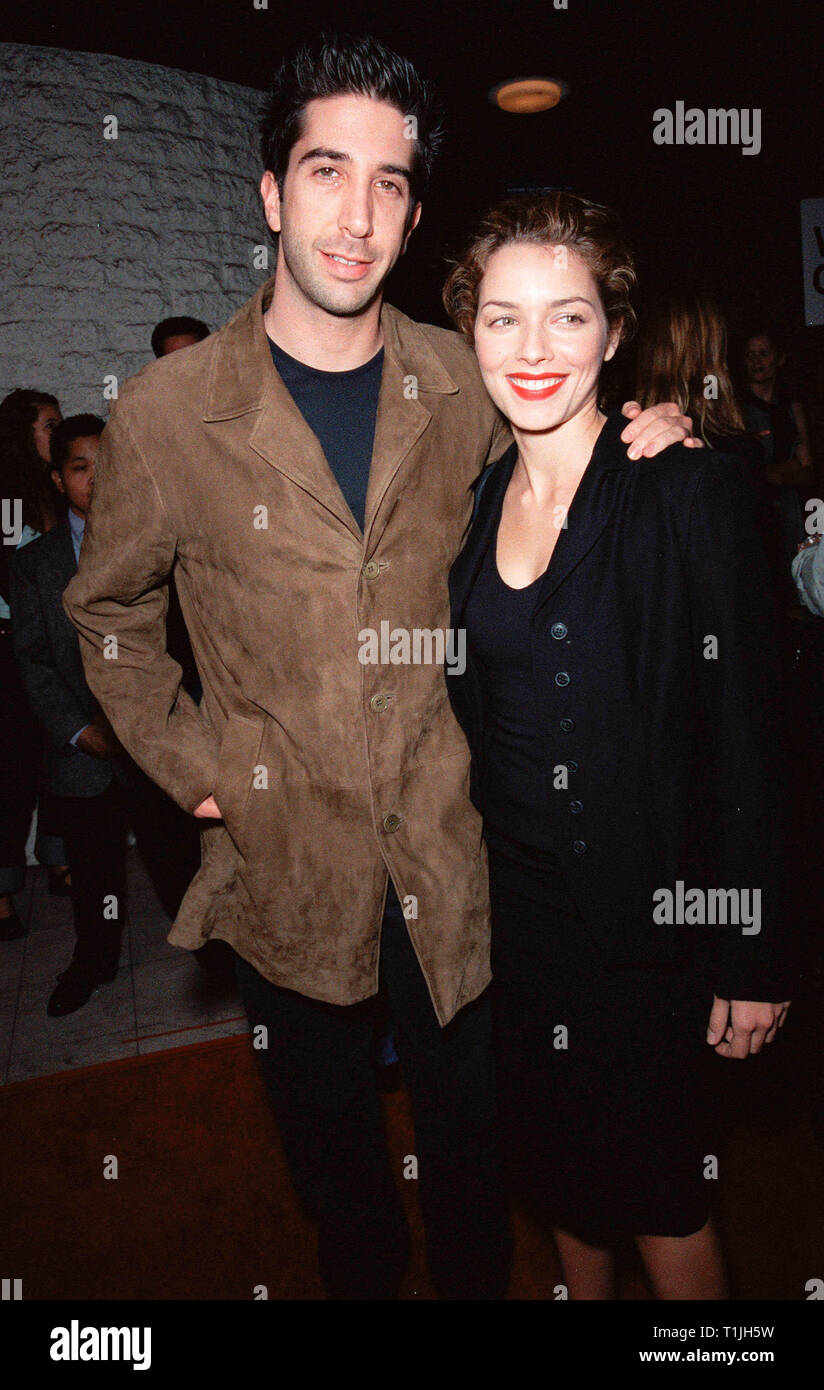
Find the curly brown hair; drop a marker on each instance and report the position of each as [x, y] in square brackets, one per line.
[553, 219]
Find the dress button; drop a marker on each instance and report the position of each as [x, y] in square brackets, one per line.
[579, 846]
[371, 569]
[379, 703]
[559, 631]
[576, 807]
[391, 823]
[562, 678]
[567, 725]
[572, 766]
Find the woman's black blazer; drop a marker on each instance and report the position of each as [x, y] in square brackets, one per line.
[657, 684]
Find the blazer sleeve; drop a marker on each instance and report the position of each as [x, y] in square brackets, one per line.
[118, 601]
[50, 696]
[739, 686]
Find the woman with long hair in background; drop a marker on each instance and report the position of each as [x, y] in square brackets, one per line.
[682, 350]
[682, 356]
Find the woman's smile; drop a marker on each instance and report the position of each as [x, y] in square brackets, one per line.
[535, 388]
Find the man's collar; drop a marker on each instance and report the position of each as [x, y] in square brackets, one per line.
[241, 366]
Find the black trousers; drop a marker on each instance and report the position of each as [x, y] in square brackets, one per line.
[320, 1078]
[94, 829]
[94, 833]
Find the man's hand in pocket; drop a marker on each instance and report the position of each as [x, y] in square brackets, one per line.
[208, 809]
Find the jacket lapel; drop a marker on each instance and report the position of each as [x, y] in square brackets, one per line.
[243, 380]
[281, 436]
[411, 368]
[590, 509]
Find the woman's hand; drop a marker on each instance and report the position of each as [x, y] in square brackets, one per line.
[739, 1027]
[656, 428]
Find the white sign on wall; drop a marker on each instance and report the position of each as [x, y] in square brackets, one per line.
[812, 250]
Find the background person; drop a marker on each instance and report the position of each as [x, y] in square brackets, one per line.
[27, 420]
[170, 335]
[86, 767]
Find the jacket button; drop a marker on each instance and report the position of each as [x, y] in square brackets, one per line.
[562, 678]
[371, 569]
[391, 823]
[567, 725]
[580, 846]
[559, 631]
[576, 807]
[379, 703]
[572, 766]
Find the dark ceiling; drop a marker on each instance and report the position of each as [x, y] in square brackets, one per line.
[709, 216]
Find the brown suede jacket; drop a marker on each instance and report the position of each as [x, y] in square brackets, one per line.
[329, 772]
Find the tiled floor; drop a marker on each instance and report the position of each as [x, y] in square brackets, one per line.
[161, 997]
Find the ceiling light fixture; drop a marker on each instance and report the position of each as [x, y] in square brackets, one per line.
[526, 94]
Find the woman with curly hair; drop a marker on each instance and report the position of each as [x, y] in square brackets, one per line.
[619, 702]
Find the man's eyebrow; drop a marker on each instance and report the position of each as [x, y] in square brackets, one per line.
[555, 303]
[340, 157]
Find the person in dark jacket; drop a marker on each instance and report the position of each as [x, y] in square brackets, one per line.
[30, 507]
[95, 786]
[620, 701]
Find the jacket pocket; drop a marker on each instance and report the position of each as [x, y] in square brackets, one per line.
[238, 755]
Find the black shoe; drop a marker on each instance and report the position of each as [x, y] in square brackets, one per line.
[73, 991]
[76, 987]
[11, 927]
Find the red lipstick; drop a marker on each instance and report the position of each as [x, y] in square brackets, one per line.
[536, 393]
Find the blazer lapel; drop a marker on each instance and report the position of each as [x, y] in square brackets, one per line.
[590, 509]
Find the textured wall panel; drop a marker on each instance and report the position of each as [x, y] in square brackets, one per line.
[102, 238]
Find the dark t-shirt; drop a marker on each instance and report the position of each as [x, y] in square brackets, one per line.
[515, 798]
[341, 409]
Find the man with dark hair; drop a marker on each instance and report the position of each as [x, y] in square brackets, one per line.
[335, 444]
[172, 334]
